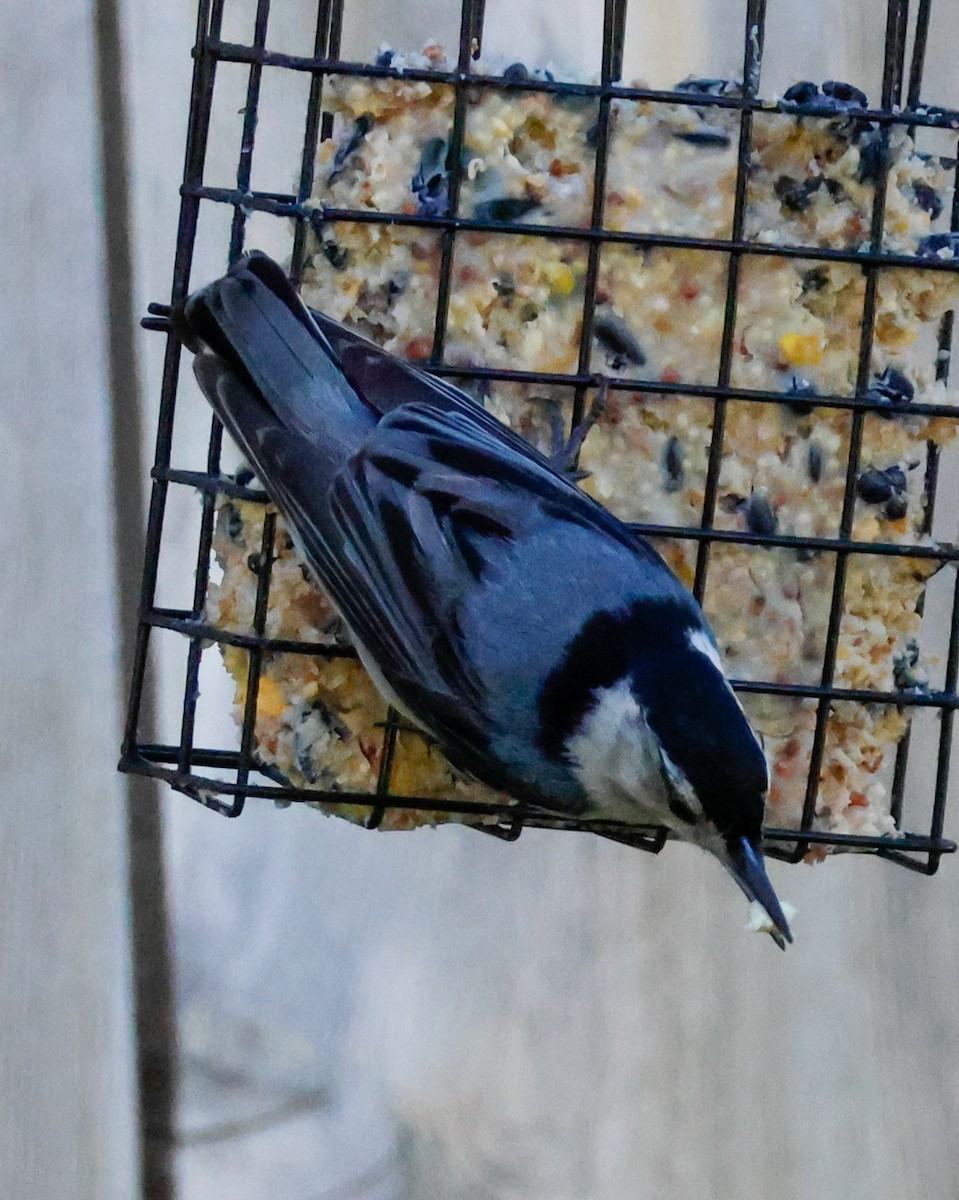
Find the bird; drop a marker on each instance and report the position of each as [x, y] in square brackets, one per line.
[544, 645]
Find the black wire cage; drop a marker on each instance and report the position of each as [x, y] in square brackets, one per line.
[222, 778]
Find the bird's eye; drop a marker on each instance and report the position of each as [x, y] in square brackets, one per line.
[679, 808]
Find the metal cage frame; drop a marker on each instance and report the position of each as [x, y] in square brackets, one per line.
[182, 765]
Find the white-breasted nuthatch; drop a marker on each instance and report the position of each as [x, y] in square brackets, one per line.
[547, 648]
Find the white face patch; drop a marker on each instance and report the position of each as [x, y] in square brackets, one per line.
[616, 757]
[627, 774]
[701, 642]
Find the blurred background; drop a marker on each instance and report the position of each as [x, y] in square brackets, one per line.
[387, 1016]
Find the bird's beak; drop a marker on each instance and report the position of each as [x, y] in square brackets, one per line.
[746, 866]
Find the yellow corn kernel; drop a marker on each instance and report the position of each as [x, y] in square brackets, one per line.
[801, 349]
[410, 764]
[560, 277]
[270, 701]
[236, 662]
[537, 130]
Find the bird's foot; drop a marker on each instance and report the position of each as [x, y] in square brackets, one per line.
[565, 458]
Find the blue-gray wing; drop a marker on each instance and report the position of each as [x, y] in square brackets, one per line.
[386, 383]
[435, 512]
[420, 513]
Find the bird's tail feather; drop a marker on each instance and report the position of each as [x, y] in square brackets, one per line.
[271, 369]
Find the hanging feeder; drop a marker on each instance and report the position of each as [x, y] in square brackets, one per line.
[765, 285]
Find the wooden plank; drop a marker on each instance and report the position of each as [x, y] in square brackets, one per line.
[67, 1123]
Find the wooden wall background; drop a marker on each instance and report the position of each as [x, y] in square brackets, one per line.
[404, 1017]
[66, 1065]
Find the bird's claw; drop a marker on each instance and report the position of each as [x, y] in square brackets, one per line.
[565, 459]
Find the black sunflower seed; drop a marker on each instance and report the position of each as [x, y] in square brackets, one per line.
[834, 97]
[335, 255]
[349, 144]
[845, 94]
[876, 486]
[905, 668]
[708, 135]
[760, 517]
[814, 461]
[804, 92]
[516, 72]
[891, 389]
[430, 184]
[796, 195]
[873, 157]
[617, 340]
[928, 199]
[707, 87]
[896, 508]
[798, 386]
[939, 245]
[505, 209]
[815, 279]
[233, 521]
[673, 465]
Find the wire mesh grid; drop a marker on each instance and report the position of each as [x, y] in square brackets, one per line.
[187, 766]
